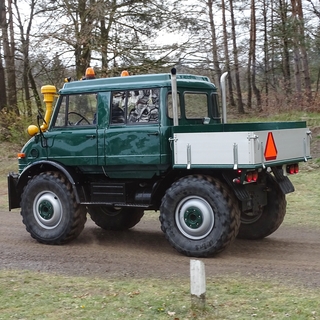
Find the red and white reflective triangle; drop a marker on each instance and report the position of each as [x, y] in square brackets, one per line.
[270, 152]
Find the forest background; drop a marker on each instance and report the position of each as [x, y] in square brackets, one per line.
[270, 48]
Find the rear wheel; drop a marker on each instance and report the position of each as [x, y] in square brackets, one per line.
[199, 216]
[269, 219]
[111, 218]
[49, 210]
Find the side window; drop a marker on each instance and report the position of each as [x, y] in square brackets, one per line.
[62, 118]
[196, 105]
[170, 108]
[77, 110]
[144, 106]
[215, 106]
[137, 106]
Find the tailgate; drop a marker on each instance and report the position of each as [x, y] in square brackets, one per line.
[246, 149]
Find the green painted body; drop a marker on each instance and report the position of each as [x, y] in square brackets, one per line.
[96, 152]
[120, 151]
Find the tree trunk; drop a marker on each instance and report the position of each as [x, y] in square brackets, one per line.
[25, 46]
[236, 59]
[214, 45]
[283, 7]
[253, 40]
[35, 91]
[84, 29]
[297, 77]
[300, 47]
[9, 50]
[3, 95]
[105, 35]
[3, 89]
[226, 53]
[249, 95]
[266, 50]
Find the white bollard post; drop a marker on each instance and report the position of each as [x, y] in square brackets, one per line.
[197, 284]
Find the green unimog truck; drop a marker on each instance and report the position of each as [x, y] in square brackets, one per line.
[115, 148]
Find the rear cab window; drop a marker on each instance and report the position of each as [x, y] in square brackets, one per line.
[194, 106]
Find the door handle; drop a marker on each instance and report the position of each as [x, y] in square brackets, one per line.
[156, 133]
[90, 136]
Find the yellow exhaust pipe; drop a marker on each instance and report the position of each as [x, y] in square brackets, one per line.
[49, 93]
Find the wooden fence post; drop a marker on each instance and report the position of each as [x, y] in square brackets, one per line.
[197, 284]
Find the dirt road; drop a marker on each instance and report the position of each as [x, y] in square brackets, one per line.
[289, 255]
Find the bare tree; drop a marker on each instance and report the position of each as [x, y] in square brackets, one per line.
[226, 53]
[214, 43]
[3, 89]
[285, 39]
[113, 33]
[9, 51]
[27, 76]
[252, 54]
[236, 59]
[300, 51]
[266, 47]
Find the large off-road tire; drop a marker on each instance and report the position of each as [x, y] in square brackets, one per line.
[261, 225]
[49, 210]
[199, 216]
[110, 218]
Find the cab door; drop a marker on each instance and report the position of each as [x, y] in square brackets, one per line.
[72, 138]
[132, 142]
[136, 145]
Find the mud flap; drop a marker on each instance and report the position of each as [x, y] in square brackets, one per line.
[239, 189]
[285, 184]
[13, 195]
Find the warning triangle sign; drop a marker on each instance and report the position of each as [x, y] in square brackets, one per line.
[270, 152]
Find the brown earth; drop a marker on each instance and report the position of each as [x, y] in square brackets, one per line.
[290, 255]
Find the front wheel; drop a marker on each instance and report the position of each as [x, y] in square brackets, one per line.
[49, 210]
[199, 216]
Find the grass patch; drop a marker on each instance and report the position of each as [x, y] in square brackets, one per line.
[9, 163]
[31, 295]
[303, 204]
[312, 118]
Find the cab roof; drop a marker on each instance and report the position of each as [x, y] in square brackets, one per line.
[137, 82]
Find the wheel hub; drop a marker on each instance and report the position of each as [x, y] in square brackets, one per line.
[46, 210]
[193, 217]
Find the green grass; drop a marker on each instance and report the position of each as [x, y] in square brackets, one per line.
[312, 118]
[32, 295]
[303, 204]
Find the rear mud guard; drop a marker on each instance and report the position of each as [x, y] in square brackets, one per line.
[285, 184]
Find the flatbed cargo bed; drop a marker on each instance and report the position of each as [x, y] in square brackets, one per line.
[241, 145]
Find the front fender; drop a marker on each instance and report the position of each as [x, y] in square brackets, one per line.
[16, 183]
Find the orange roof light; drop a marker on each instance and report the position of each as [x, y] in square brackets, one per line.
[90, 74]
[124, 73]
